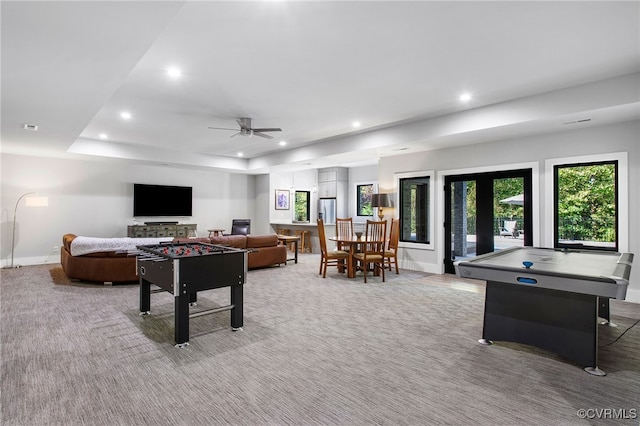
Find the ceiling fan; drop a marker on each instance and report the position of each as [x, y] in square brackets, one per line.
[247, 130]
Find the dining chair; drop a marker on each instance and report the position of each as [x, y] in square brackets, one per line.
[373, 248]
[240, 226]
[344, 228]
[391, 252]
[328, 257]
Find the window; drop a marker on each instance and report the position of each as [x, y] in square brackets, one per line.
[364, 193]
[586, 205]
[415, 209]
[301, 206]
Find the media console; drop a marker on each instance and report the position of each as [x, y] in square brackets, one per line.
[163, 229]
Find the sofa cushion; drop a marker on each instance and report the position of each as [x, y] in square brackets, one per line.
[257, 241]
[68, 238]
[236, 241]
[191, 240]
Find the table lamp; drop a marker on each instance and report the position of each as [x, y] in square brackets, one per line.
[380, 201]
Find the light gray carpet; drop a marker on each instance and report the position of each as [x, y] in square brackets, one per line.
[313, 351]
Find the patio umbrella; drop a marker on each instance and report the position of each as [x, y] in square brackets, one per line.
[516, 200]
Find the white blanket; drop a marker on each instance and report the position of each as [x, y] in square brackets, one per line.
[86, 245]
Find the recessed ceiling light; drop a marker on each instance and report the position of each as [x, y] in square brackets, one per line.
[283, 143]
[126, 115]
[465, 97]
[102, 136]
[356, 124]
[174, 72]
[240, 154]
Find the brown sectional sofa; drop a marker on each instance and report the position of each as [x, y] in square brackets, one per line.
[117, 267]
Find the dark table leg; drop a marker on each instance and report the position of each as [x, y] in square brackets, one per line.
[558, 321]
[182, 319]
[604, 311]
[295, 246]
[145, 296]
[236, 311]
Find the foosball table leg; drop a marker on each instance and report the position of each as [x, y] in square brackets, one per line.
[182, 319]
[145, 296]
[236, 311]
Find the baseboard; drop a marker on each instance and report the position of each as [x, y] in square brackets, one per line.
[633, 296]
[35, 260]
[419, 266]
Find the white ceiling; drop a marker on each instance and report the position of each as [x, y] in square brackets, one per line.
[311, 68]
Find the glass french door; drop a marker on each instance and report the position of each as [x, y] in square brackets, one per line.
[486, 212]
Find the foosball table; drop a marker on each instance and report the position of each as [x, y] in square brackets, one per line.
[184, 269]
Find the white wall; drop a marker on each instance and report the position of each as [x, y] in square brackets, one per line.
[301, 180]
[260, 224]
[623, 137]
[93, 198]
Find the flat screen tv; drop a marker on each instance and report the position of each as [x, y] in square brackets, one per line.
[161, 200]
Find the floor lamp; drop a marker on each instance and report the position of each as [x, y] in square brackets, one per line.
[30, 202]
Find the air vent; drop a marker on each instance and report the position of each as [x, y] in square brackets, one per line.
[31, 127]
[578, 121]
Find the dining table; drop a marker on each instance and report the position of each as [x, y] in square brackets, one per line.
[352, 245]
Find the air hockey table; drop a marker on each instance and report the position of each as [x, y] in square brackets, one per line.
[549, 298]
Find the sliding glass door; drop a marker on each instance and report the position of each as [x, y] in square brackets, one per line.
[486, 212]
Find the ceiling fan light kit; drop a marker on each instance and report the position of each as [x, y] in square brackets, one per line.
[247, 130]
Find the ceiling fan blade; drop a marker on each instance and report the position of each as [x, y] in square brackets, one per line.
[262, 135]
[268, 129]
[222, 128]
[235, 134]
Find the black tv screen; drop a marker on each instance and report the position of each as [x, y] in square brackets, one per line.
[161, 200]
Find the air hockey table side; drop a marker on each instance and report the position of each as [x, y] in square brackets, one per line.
[553, 304]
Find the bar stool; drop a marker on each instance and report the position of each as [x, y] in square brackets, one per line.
[282, 231]
[305, 240]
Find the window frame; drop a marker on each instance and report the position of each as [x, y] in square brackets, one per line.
[430, 174]
[357, 199]
[556, 203]
[308, 207]
[622, 195]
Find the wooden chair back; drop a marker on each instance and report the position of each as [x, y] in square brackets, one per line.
[376, 233]
[344, 227]
[394, 234]
[322, 237]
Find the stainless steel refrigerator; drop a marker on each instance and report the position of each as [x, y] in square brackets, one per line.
[327, 210]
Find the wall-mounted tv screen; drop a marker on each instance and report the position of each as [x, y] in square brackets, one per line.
[161, 200]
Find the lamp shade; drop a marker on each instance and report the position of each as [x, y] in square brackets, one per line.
[36, 201]
[380, 200]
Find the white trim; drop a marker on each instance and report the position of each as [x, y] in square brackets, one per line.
[623, 192]
[632, 295]
[535, 199]
[426, 173]
[36, 260]
[413, 265]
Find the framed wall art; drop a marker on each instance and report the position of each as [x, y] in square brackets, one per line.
[282, 199]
